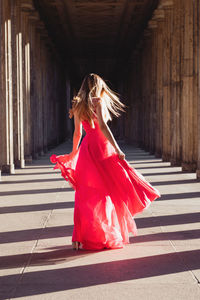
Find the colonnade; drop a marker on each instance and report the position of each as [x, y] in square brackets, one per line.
[34, 87]
[162, 84]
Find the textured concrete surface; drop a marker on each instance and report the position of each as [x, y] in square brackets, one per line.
[36, 222]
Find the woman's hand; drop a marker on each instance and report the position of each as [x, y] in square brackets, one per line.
[120, 154]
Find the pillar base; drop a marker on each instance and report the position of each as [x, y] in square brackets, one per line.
[45, 149]
[158, 155]
[188, 167]
[175, 163]
[35, 155]
[28, 159]
[9, 169]
[198, 174]
[152, 152]
[20, 164]
[41, 153]
[165, 157]
[146, 149]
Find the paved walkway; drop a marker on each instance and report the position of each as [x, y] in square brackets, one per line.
[36, 221]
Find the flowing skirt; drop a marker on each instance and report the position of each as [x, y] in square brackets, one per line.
[108, 194]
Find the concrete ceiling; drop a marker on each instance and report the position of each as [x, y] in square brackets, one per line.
[95, 35]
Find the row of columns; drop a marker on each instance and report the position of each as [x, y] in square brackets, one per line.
[34, 87]
[164, 94]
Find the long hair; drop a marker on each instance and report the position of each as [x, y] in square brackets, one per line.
[94, 86]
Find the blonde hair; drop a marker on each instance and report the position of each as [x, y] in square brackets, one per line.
[94, 86]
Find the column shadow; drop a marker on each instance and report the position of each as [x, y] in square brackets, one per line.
[164, 236]
[63, 279]
[36, 234]
[163, 173]
[64, 254]
[179, 196]
[36, 207]
[184, 181]
[66, 230]
[32, 180]
[187, 218]
[153, 167]
[36, 191]
[149, 162]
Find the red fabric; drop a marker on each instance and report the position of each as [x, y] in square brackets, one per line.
[108, 192]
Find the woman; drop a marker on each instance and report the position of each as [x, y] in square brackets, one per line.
[108, 191]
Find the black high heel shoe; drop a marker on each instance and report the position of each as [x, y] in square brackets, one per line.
[76, 245]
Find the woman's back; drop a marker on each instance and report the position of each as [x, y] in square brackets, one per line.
[98, 145]
[95, 124]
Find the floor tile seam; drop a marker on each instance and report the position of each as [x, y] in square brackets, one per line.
[194, 277]
[22, 271]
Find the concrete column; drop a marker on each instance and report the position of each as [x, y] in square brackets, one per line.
[27, 108]
[159, 18]
[176, 153]
[45, 102]
[146, 69]
[188, 93]
[18, 101]
[7, 151]
[167, 34]
[197, 22]
[68, 96]
[34, 74]
[132, 96]
[1, 83]
[136, 95]
[145, 93]
[152, 25]
[195, 80]
[39, 82]
[26, 10]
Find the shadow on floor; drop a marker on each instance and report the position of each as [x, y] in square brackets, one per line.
[149, 162]
[36, 207]
[31, 192]
[152, 167]
[36, 234]
[64, 231]
[32, 181]
[162, 173]
[58, 256]
[165, 236]
[39, 173]
[170, 182]
[63, 279]
[39, 166]
[179, 196]
[168, 220]
[64, 254]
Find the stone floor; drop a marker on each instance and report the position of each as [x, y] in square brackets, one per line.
[36, 222]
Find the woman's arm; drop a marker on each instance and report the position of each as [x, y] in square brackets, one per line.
[77, 132]
[106, 130]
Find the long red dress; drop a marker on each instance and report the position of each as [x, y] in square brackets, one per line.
[108, 192]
